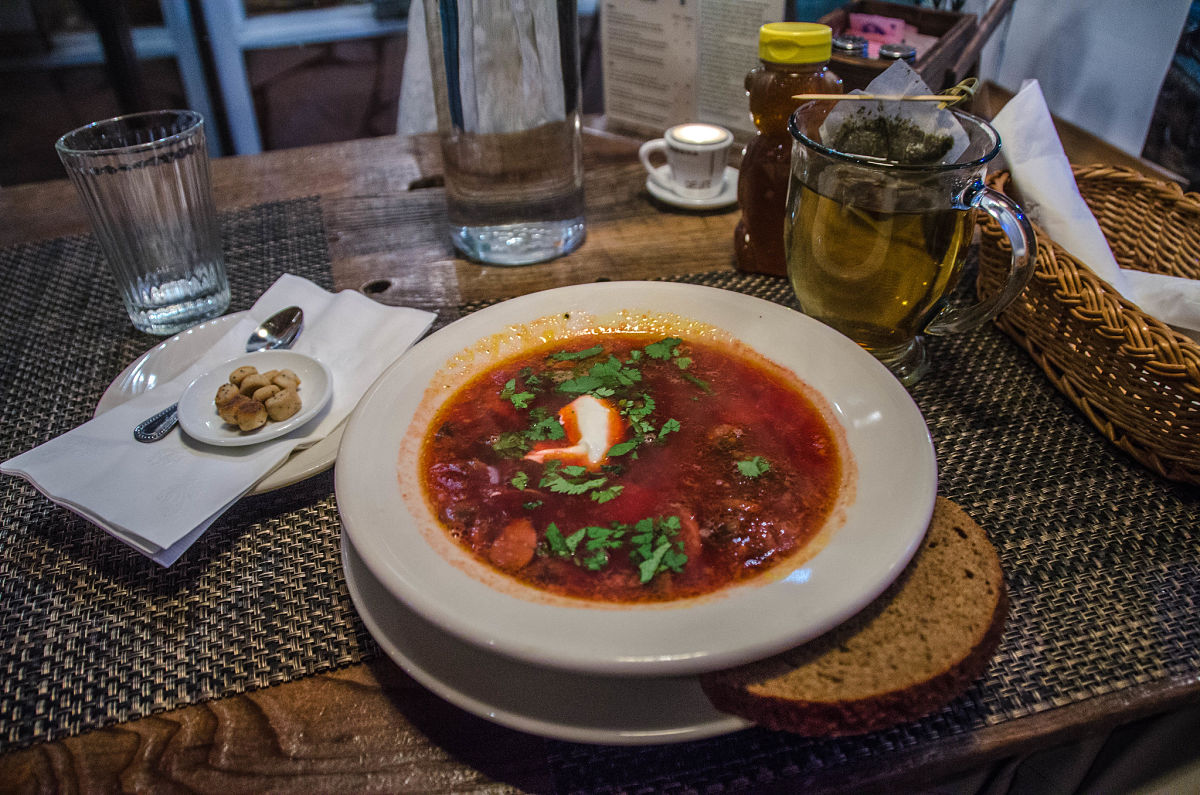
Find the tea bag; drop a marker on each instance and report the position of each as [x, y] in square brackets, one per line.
[914, 133]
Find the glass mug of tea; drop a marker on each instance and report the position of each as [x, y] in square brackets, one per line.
[875, 246]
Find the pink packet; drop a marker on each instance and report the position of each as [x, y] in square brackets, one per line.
[872, 27]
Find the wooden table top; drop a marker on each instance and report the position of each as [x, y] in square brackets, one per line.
[370, 726]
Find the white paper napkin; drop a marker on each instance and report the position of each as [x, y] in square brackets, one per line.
[160, 497]
[1042, 174]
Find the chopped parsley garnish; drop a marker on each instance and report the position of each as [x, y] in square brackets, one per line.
[603, 379]
[519, 399]
[569, 356]
[577, 480]
[653, 544]
[622, 448]
[611, 493]
[664, 348]
[545, 427]
[753, 467]
[515, 444]
[656, 547]
[636, 411]
[511, 444]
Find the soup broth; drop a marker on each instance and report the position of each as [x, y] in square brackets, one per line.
[631, 468]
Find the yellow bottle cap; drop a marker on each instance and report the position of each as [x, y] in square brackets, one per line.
[795, 42]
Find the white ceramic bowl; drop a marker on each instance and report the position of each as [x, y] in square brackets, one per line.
[883, 515]
[198, 412]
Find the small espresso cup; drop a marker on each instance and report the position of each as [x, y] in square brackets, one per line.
[696, 155]
[876, 248]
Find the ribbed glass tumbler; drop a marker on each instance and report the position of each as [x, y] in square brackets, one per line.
[144, 180]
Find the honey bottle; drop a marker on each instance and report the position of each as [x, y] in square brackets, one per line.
[793, 59]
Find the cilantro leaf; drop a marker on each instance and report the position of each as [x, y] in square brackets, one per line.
[603, 379]
[571, 542]
[545, 427]
[657, 547]
[622, 448]
[520, 400]
[520, 480]
[555, 543]
[753, 467]
[510, 444]
[580, 384]
[649, 567]
[570, 480]
[569, 356]
[604, 495]
[663, 349]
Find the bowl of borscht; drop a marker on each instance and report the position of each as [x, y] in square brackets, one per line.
[636, 478]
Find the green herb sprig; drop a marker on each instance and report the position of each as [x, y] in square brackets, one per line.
[653, 543]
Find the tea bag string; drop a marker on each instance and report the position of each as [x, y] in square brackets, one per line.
[954, 95]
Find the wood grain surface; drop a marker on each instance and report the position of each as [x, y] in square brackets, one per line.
[369, 727]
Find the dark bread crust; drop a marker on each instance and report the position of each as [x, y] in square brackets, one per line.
[768, 692]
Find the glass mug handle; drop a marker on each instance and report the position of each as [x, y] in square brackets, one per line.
[1020, 235]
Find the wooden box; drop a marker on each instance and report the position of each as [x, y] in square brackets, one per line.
[953, 31]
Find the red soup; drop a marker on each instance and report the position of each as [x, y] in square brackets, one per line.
[631, 468]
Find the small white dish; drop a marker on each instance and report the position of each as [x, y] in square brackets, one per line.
[198, 412]
[727, 196]
[529, 698]
[172, 356]
[883, 515]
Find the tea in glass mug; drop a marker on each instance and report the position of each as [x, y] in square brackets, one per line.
[876, 245]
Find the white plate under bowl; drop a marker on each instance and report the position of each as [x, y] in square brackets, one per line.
[169, 358]
[198, 412]
[884, 514]
[557, 704]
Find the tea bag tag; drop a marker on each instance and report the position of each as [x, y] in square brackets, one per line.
[907, 132]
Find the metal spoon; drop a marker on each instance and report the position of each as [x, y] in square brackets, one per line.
[278, 331]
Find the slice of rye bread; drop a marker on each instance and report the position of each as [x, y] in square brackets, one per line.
[907, 654]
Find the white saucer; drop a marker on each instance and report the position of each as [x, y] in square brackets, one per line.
[727, 196]
[172, 356]
[198, 414]
[549, 703]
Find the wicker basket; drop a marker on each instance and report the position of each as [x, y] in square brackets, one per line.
[1133, 377]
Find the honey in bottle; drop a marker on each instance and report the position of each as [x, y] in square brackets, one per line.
[793, 59]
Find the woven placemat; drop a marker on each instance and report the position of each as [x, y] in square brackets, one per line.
[91, 632]
[1100, 555]
[1103, 571]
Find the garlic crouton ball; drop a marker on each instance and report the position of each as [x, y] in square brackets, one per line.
[283, 404]
[262, 393]
[251, 415]
[251, 383]
[285, 379]
[239, 375]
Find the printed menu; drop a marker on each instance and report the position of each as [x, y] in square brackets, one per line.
[671, 61]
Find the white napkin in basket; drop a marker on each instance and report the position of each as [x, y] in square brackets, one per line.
[160, 497]
[1042, 175]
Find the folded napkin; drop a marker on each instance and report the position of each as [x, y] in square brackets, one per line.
[160, 497]
[1042, 174]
